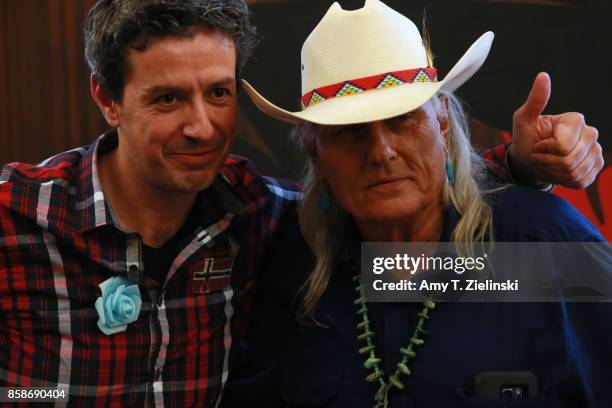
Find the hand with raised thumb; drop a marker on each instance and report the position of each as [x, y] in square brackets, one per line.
[558, 149]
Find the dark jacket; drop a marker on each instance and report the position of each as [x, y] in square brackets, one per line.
[286, 363]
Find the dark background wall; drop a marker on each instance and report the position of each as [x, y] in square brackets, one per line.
[45, 106]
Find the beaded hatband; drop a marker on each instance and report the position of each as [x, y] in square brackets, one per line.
[358, 85]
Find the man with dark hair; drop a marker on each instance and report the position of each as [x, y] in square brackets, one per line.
[127, 267]
[114, 27]
[115, 258]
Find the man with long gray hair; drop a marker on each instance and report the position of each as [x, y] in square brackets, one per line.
[392, 194]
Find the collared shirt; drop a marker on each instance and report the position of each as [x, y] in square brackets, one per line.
[287, 362]
[58, 242]
[497, 163]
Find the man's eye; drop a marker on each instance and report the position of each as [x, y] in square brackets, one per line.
[402, 120]
[167, 99]
[405, 117]
[220, 93]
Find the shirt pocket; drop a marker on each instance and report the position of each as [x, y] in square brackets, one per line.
[309, 389]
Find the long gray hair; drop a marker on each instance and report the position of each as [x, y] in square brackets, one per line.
[324, 231]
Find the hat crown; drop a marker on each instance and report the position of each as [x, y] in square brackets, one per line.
[351, 44]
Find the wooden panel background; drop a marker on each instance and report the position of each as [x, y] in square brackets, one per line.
[45, 106]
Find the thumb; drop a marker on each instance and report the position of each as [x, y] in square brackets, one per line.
[536, 100]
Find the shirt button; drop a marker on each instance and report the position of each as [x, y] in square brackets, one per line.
[134, 273]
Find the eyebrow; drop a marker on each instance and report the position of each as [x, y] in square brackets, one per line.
[159, 89]
[224, 81]
[151, 90]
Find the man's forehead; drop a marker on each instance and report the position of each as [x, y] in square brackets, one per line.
[207, 54]
[194, 45]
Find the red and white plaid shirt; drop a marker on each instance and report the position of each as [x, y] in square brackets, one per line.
[58, 242]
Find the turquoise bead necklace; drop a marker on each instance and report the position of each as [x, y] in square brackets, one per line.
[372, 362]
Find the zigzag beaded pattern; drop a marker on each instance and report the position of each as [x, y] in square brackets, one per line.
[359, 85]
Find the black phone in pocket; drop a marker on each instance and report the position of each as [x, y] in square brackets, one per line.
[506, 385]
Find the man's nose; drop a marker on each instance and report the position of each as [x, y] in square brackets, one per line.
[199, 125]
[381, 142]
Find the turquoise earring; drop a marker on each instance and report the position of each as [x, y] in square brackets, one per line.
[324, 202]
[450, 172]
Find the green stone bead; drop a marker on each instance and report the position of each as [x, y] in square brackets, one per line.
[416, 341]
[423, 316]
[365, 335]
[370, 362]
[362, 324]
[408, 352]
[374, 376]
[396, 382]
[429, 304]
[380, 394]
[366, 349]
[403, 368]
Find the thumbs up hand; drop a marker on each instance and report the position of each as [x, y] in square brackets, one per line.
[558, 149]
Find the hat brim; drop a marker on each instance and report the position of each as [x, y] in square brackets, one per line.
[380, 104]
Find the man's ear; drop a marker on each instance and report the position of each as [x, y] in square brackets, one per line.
[105, 103]
[442, 113]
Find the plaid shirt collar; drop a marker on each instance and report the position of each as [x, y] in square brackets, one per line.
[92, 209]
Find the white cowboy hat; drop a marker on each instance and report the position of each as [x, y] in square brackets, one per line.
[368, 64]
